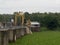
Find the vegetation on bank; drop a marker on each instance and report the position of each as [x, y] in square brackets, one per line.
[49, 20]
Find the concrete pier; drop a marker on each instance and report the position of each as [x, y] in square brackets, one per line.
[18, 35]
[3, 37]
[11, 34]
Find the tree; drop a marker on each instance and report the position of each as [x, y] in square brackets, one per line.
[51, 22]
[27, 15]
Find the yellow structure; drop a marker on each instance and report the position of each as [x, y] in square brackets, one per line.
[21, 15]
[28, 27]
[28, 23]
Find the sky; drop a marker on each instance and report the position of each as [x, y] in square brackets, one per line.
[10, 6]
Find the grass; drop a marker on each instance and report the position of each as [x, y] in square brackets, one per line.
[40, 38]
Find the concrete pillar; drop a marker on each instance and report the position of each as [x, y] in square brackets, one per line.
[3, 38]
[18, 35]
[22, 32]
[24, 29]
[12, 35]
[0, 38]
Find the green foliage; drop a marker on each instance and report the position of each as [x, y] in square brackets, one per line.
[49, 20]
[51, 23]
[6, 17]
[1, 18]
[27, 15]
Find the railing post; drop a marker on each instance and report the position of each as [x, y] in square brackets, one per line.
[3, 38]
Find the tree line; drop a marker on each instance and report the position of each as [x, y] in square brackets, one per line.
[49, 20]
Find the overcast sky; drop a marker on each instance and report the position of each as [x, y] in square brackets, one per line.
[10, 6]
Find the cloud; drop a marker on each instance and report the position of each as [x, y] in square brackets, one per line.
[58, 2]
[29, 5]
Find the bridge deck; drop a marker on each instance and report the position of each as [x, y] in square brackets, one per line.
[12, 28]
